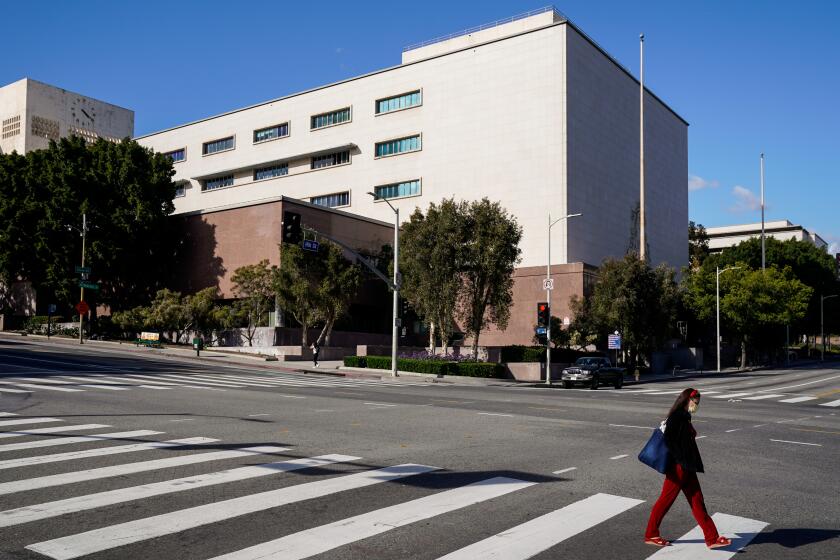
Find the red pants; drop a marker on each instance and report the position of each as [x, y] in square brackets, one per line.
[677, 479]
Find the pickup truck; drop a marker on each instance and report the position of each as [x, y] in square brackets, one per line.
[592, 372]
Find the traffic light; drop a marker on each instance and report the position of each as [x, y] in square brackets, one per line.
[543, 314]
[405, 307]
[291, 228]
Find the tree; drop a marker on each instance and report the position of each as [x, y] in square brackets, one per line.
[751, 302]
[294, 285]
[487, 260]
[698, 244]
[635, 299]
[126, 191]
[168, 312]
[338, 285]
[430, 263]
[253, 284]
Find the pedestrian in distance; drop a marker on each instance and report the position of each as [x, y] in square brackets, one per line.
[316, 349]
[681, 474]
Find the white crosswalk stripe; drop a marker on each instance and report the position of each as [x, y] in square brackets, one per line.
[99, 452]
[97, 540]
[21, 421]
[798, 399]
[833, 404]
[730, 395]
[71, 440]
[327, 537]
[52, 430]
[44, 387]
[531, 538]
[762, 397]
[691, 546]
[7, 390]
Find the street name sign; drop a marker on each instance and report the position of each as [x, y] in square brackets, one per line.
[614, 342]
[309, 245]
[88, 285]
[82, 269]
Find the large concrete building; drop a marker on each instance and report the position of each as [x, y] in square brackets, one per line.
[529, 112]
[33, 113]
[783, 230]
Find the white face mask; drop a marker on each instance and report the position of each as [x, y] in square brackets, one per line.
[692, 406]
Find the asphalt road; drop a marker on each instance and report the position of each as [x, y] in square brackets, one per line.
[113, 454]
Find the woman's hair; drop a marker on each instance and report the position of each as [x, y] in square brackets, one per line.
[682, 399]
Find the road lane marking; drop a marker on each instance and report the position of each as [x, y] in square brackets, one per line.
[44, 387]
[71, 440]
[628, 426]
[618, 457]
[809, 383]
[19, 421]
[494, 414]
[819, 431]
[798, 399]
[691, 546]
[5, 414]
[730, 395]
[732, 430]
[132, 468]
[53, 430]
[796, 442]
[60, 457]
[833, 404]
[169, 385]
[43, 380]
[529, 539]
[561, 471]
[48, 510]
[700, 437]
[762, 397]
[106, 538]
[328, 537]
[5, 390]
[290, 396]
[380, 404]
[759, 425]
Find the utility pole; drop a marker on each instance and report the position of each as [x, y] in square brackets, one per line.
[642, 236]
[548, 288]
[82, 296]
[762, 211]
[822, 326]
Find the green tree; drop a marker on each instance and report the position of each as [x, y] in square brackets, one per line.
[338, 285]
[698, 244]
[294, 284]
[487, 259]
[253, 285]
[430, 263]
[637, 300]
[169, 312]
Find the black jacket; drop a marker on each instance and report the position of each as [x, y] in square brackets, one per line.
[679, 437]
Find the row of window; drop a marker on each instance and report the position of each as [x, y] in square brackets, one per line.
[322, 120]
[394, 190]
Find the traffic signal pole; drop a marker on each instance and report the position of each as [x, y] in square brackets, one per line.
[82, 296]
[548, 288]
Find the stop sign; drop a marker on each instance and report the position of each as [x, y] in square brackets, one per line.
[82, 307]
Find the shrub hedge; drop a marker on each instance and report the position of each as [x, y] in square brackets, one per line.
[437, 367]
[518, 353]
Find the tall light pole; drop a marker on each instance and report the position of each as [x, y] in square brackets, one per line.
[642, 236]
[395, 320]
[717, 302]
[762, 211]
[822, 327]
[548, 297]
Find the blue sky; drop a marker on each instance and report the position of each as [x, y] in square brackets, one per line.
[748, 76]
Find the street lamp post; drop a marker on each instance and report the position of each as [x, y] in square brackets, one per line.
[395, 319]
[548, 297]
[717, 303]
[822, 326]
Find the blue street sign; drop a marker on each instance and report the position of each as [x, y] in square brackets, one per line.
[541, 330]
[51, 308]
[309, 245]
[614, 342]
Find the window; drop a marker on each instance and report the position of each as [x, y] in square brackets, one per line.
[215, 146]
[270, 172]
[48, 128]
[11, 126]
[334, 200]
[177, 155]
[397, 190]
[398, 102]
[218, 183]
[180, 189]
[331, 118]
[398, 146]
[270, 133]
[336, 158]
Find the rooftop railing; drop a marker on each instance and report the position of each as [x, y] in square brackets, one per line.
[496, 23]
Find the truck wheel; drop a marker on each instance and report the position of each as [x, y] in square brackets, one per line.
[567, 385]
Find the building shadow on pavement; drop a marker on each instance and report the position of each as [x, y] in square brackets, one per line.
[794, 538]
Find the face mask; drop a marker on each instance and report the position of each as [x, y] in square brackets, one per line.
[692, 406]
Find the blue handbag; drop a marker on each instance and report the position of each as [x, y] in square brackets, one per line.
[655, 453]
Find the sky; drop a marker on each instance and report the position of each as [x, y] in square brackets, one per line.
[749, 76]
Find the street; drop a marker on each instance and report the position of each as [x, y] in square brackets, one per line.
[109, 453]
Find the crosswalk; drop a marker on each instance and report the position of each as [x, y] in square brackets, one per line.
[168, 380]
[725, 395]
[276, 478]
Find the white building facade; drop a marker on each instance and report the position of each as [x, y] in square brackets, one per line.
[530, 113]
[783, 230]
[33, 113]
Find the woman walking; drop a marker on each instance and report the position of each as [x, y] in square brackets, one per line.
[682, 473]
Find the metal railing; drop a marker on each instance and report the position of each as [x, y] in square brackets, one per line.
[496, 23]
